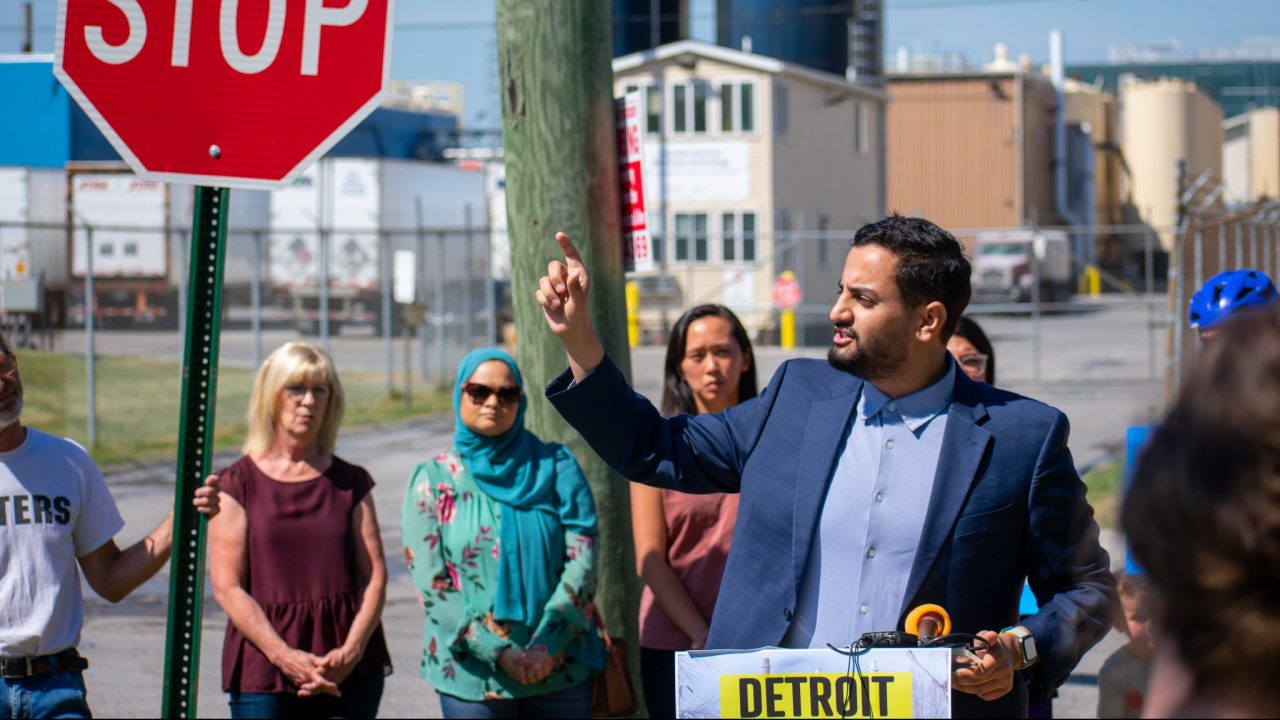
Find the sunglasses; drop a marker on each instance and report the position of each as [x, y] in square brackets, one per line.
[480, 393]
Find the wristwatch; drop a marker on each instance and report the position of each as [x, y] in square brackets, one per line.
[1027, 642]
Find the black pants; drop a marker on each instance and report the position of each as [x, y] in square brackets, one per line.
[658, 676]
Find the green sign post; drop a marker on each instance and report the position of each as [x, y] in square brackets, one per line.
[195, 430]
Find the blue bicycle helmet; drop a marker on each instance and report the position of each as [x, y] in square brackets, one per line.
[1227, 293]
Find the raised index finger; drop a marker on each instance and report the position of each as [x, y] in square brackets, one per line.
[570, 252]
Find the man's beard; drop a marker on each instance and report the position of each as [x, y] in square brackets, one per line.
[10, 414]
[870, 358]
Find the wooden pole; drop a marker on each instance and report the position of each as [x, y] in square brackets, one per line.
[559, 140]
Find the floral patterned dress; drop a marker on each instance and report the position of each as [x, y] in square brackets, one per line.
[451, 529]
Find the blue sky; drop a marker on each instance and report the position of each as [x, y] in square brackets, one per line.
[454, 39]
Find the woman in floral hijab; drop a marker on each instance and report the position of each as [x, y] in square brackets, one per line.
[500, 534]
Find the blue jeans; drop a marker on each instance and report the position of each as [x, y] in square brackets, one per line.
[361, 696]
[60, 695]
[571, 702]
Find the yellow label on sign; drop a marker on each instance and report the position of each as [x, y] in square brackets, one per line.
[816, 695]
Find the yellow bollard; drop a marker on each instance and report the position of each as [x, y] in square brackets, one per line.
[633, 313]
[1090, 281]
[788, 330]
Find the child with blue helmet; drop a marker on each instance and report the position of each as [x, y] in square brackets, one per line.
[1228, 293]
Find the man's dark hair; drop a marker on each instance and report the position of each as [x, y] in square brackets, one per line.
[970, 330]
[677, 398]
[931, 264]
[1203, 515]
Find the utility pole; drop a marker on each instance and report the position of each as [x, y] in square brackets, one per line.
[559, 140]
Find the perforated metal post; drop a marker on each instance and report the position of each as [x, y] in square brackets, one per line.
[195, 438]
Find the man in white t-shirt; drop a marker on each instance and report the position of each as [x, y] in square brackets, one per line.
[55, 513]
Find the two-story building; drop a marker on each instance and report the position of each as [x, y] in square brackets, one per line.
[753, 167]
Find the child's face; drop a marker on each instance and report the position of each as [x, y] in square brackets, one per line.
[1137, 624]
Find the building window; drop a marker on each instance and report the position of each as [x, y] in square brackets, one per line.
[728, 236]
[861, 129]
[653, 108]
[824, 225]
[630, 89]
[679, 109]
[701, 91]
[748, 237]
[781, 109]
[747, 108]
[131, 249]
[684, 228]
[657, 235]
[107, 250]
[726, 107]
[700, 251]
[691, 237]
[738, 237]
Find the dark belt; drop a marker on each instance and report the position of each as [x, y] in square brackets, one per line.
[23, 668]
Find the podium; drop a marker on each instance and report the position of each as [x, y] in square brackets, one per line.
[813, 683]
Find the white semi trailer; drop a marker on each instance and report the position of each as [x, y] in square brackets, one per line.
[359, 207]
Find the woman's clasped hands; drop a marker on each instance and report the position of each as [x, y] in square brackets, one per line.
[529, 667]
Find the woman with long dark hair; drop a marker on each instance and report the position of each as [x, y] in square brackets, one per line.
[971, 348]
[682, 541]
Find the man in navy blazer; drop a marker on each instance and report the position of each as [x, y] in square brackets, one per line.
[837, 533]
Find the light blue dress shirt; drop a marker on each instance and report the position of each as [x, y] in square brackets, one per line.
[856, 575]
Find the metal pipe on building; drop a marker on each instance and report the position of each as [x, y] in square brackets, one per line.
[1056, 74]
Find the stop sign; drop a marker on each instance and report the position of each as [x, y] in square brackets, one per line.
[786, 291]
[223, 92]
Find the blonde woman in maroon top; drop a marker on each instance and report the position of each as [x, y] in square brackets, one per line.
[682, 541]
[296, 557]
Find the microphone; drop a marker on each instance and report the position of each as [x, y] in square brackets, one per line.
[928, 622]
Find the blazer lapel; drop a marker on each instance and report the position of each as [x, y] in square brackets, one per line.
[819, 453]
[963, 445]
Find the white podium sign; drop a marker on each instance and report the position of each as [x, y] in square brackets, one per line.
[818, 683]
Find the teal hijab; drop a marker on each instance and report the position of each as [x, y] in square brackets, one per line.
[522, 473]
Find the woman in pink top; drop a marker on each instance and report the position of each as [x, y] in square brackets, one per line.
[682, 541]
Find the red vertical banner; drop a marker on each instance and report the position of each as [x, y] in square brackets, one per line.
[637, 250]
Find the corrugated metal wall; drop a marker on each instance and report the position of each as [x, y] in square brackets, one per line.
[953, 152]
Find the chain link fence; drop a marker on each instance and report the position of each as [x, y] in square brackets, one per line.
[1029, 273]
[398, 309]
[1213, 237]
[101, 349]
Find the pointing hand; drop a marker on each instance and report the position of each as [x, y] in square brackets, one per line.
[562, 292]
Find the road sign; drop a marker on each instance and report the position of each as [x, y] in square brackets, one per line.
[787, 294]
[637, 250]
[226, 94]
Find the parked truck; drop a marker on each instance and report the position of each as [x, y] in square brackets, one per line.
[141, 232]
[33, 248]
[360, 207]
[1005, 265]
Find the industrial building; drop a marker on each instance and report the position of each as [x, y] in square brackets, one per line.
[1237, 85]
[44, 127]
[972, 149]
[58, 171]
[842, 38]
[1251, 156]
[1171, 130]
[749, 163]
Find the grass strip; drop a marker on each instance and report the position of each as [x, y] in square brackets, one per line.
[138, 401]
